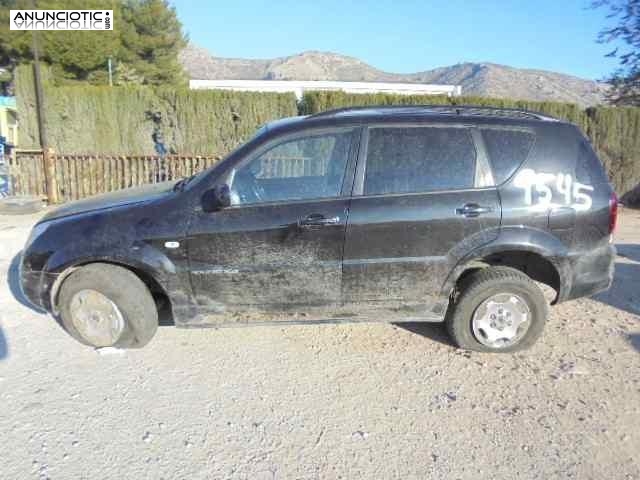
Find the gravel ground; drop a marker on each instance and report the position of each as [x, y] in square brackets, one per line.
[343, 401]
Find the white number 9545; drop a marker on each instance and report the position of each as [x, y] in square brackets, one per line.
[538, 190]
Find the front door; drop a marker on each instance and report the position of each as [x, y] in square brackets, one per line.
[425, 197]
[276, 253]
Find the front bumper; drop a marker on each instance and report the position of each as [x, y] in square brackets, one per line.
[35, 285]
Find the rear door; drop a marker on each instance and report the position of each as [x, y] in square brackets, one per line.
[424, 195]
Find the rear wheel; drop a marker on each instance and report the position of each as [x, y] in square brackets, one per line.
[105, 305]
[498, 309]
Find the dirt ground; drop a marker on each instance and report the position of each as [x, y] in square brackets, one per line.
[348, 401]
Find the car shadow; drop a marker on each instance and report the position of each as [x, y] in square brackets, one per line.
[4, 346]
[623, 293]
[13, 279]
[165, 315]
[433, 331]
[629, 250]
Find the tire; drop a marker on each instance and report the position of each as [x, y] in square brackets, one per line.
[137, 314]
[487, 283]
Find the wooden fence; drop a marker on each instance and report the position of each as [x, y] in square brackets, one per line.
[26, 172]
[71, 177]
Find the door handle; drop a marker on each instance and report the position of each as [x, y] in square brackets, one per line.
[317, 220]
[471, 210]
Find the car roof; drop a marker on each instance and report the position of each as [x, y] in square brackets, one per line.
[435, 110]
[411, 113]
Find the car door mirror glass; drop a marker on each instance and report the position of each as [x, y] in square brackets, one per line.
[216, 198]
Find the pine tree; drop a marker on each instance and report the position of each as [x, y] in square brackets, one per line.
[152, 38]
[144, 44]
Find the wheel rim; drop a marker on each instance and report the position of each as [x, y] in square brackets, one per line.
[501, 320]
[96, 318]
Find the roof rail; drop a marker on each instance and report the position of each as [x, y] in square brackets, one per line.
[445, 110]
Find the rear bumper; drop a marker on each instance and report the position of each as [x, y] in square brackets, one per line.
[592, 272]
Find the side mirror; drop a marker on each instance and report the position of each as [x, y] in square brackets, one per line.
[216, 198]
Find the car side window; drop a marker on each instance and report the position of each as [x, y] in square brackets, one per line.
[589, 170]
[507, 150]
[419, 159]
[298, 169]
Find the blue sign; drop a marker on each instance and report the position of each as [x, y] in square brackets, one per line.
[4, 171]
[4, 185]
[8, 102]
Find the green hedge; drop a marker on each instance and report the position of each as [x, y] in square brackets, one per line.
[216, 121]
[615, 134]
[117, 120]
[26, 105]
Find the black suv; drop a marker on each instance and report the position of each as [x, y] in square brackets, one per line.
[391, 214]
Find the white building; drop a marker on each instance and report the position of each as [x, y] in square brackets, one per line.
[300, 86]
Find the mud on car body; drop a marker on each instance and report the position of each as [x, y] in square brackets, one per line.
[363, 214]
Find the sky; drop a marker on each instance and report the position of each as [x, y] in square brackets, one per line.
[404, 36]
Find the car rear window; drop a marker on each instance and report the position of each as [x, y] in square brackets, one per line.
[589, 170]
[507, 149]
[419, 159]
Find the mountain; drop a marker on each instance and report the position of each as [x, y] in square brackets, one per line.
[482, 79]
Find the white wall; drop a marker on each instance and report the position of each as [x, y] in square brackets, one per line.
[299, 86]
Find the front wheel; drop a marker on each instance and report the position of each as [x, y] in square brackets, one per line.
[498, 309]
[104, 305]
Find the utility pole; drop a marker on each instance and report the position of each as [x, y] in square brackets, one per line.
[49, 172]
[110, 72]
[42, 128]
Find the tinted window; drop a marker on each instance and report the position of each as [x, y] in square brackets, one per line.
[424, 159]
[304, 168]
[589, 170]
[507, 149]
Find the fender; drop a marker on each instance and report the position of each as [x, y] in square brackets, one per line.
[516, 239]
[138, 243]
[142, 257]
[147, 260]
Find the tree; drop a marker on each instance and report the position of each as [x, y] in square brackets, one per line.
[152, 38]
[77, 54]
[14, 46]
[73, 54]
[144, 44]
[626, 79]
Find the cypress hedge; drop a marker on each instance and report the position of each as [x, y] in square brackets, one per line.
[26, 105]
[122, 120]
[615, 134]
[216, 121]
